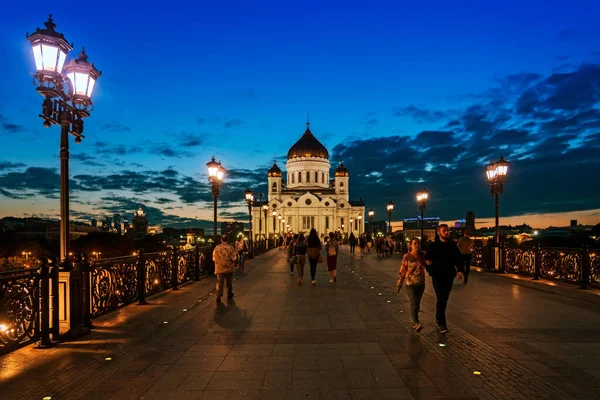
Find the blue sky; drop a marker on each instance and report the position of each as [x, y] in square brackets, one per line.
[236, 79]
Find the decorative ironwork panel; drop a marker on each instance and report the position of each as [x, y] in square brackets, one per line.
[478, 257]
[561, 264]
[594, 257]
[114, 284]
[19, 308]
[519, 260]
[158, 275]
[185, 269]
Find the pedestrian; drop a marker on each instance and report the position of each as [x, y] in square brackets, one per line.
[301, 248]
[332, 248]
[224, 258]
[291, 253]
[352, 242]
[369, 243]
[443, 260]
[241, 248]
[412, 271]
[362, 243]
[465, 245]
[314, 254]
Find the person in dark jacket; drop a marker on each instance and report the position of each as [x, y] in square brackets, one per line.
[443, 260]
[352, 242]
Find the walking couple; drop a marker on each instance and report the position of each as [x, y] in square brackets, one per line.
[311, 249]
[442, 261]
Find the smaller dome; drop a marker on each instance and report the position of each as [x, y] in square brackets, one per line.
[275, 171]
[341, 170]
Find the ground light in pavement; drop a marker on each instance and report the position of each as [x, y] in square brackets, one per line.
[442, 344]
[108, 359]
[476, 373]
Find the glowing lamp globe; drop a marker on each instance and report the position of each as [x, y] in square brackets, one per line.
[82, 76]
[50, 49]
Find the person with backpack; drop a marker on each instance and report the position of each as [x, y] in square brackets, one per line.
[332, 248]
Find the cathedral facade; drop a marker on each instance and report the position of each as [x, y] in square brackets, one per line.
[309, 197]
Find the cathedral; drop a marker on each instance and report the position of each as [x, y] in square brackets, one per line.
[308, 198]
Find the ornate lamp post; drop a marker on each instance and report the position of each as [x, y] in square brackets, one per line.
[359, 223]
[390, 208]
[371, 213]
[249, 200]
[265, 209]
[422, 197]
[67, 100]
[279, 224]
[260, 196]
[351, 224]
[216, 172]
[496, 175]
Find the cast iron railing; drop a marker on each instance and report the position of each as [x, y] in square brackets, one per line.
[577, 266]
[116, 282]
[19, 308]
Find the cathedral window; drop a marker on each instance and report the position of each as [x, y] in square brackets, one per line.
[326, 222]
[293, 176]
[274, 186]
[299, 177]
[316, 177]
[341, 184]
[322, 177]
[307, 176]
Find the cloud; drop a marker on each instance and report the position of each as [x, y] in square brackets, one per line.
[115, 127]
[12, 128]
[87, 160]
[232, 123]
[6, 165]
[553, 135]
[33, 181]
[421, 114]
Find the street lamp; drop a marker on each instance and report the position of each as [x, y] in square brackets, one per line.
[390, 208]
[371, 213]
[265, 209]
[351, 224]
[260, 196]
[496, 175]
[279, 228]
[359, 223]
[249, 200]
[216, 172]
[422, 197]
[67, 100]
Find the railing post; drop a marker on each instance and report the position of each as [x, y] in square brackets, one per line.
[174, 269]
[537, 263]
[44, 304]
[197, 263]
[76, 298]
[585, 266]
[141, 277]
[87, 291]
[54, 301]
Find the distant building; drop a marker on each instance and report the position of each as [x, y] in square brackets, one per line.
[94, 223]
[117, 223]
[232, 230]
[470, 221]
[107, 225]
[378, 228]
[140, 224]
[412, 227]
[573, 223]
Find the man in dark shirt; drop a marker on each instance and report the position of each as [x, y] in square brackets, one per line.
[443, 260]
